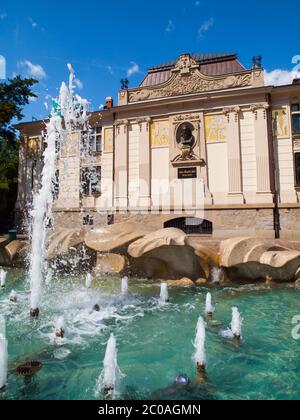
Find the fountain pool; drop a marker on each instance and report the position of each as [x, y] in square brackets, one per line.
[154, 342]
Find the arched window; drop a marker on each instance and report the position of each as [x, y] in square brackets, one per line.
[191, 225]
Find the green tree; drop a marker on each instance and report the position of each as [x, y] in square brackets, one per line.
[14, 95]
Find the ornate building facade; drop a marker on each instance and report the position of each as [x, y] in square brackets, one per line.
[202, 127]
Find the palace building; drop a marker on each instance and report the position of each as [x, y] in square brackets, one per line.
[203, 124]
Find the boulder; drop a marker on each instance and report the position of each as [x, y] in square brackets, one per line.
[185, 282]
[110, 263]
[115, 237]
[62, 241]
[201, 282]
[158, 239]
[164, 254]
[254, 259]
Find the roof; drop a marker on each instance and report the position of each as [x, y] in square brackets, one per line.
[210, 65]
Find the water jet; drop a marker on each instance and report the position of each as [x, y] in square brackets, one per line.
[164, 294]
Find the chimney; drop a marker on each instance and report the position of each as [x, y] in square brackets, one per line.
[109, 103]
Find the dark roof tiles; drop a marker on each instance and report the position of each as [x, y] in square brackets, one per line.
[210, 65]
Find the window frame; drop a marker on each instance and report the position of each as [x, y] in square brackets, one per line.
[293, 114]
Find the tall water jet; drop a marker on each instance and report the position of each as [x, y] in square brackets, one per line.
[88, 280]
[124, 286]
[41, 214]
[199, 344]
[109, 379]
[3, 355]
[209, 310]
[236, 323]
[164, 293]
[3, 275]
[69, 114]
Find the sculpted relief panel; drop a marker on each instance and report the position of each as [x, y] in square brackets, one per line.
[215, 128]
[160, 133]
[192, 82]
[280, 122]
[108, 140]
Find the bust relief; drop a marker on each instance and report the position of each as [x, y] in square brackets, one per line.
[185, 137]
[186, 141]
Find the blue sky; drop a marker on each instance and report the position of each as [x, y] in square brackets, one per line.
[106, 41]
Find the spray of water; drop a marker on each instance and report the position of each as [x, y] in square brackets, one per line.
[199, 344]
[124, 286]
[109, 378]
[216, 275]
[208, 305]
[3, 275]
[236, 323]
[3, 354]
[88, 281]
[164, 294]
[72, 110]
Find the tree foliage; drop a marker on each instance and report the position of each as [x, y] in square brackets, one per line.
[14, 95]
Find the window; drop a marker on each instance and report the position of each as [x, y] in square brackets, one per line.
[90, 179]
[297, 169]
[95, 140]
[296, 118]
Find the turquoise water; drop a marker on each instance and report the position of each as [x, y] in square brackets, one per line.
[154, 342]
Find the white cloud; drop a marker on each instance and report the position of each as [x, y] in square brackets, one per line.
[135, 68]
[78, 83]
[281, 77]
[170, 26]
[33, 70]
[3, 15]
[205, 27]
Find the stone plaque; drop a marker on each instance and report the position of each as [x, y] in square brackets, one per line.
[187, 173]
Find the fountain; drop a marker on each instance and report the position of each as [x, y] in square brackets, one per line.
[208, 305]
[3, 355]
[199, 344]
[88, 281]
[110, 375]
[3, 275]
[13, 297]
[236, 323]
[124, 286]
[164, 294]
[73, 112]
[216, 275]
[60, 328]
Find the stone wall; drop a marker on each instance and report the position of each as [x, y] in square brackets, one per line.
[290, 224]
